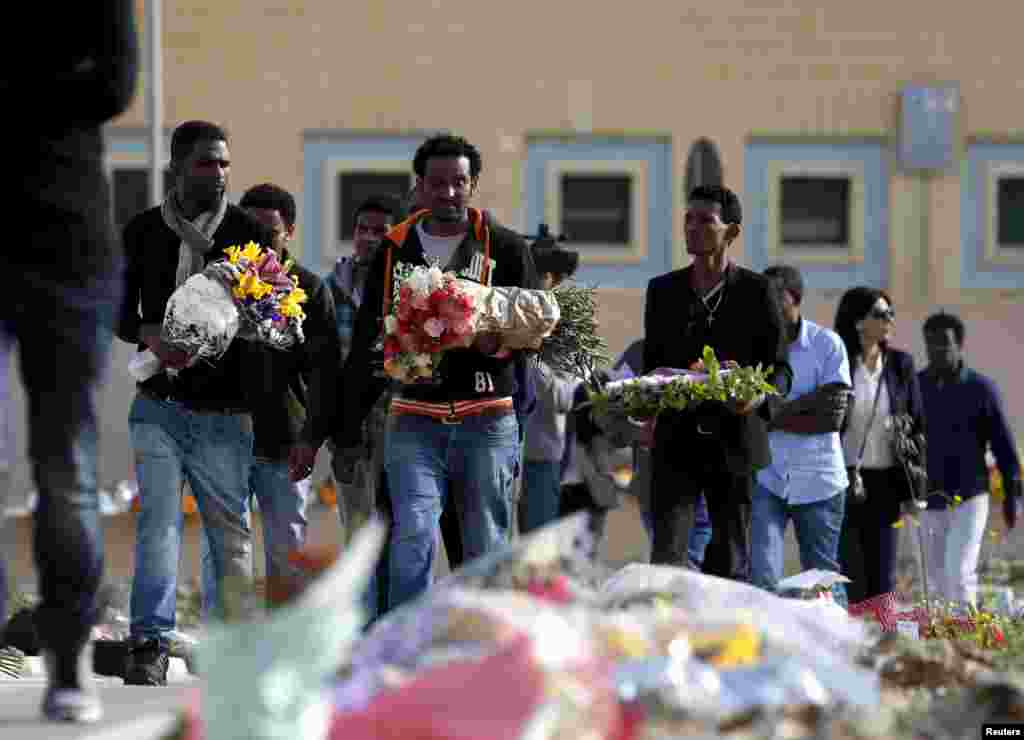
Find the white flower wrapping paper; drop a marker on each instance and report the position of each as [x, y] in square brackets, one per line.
[522, 317]
[201, 317]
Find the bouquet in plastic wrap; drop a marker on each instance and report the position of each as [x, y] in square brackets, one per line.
[250, 295]
[676, 390]
[432, 311]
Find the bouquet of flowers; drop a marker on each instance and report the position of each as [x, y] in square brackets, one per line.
[705, 380]
[430, 313]
[574, 346]
[433, 311]
[250, 295]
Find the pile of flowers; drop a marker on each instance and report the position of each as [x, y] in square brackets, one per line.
[430, 313]
[250, 294]
[705, 380]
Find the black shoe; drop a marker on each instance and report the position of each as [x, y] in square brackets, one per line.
[70, 694]
[146, 664]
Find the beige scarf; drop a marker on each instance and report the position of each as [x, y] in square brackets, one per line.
[196, 235]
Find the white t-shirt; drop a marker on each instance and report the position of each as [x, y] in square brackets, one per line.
[878, 450]
[440, 248]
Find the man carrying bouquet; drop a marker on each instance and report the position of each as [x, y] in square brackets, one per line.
[188, 421]
[457, 427]
[716, 448]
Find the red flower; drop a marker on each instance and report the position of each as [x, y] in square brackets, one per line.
[555, 589]
[391, 347]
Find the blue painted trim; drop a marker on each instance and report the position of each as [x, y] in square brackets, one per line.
[657, 153]
[975, 271]
[320, 146]
[873, 157]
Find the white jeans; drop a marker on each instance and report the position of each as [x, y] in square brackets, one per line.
[952, 539]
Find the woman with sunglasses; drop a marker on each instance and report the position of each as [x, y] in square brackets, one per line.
[884, 386]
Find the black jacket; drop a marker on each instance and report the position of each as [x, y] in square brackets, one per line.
[512, 266]
[302, 382]
[236, 380]
[747, 328]
[85, 77]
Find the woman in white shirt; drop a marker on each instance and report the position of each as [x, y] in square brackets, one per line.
[884, 385]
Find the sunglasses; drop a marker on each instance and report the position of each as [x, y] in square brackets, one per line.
[883, 314]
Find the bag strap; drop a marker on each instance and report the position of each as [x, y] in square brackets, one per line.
[871, 419]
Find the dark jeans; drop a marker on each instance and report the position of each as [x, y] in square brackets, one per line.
[674, 497]
[867, 543]
[61, 316]
[700, 535]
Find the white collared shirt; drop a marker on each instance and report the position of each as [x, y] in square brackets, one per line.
[807, 468]
[878, 450]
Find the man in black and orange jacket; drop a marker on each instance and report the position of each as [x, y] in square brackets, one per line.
[459, 430]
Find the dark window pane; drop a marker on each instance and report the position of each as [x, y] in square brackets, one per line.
[815, 211]
[703, 165]
[596, 208]
[131, 192]
[1011, 211]
[355, 187]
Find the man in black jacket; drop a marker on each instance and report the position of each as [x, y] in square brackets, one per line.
[188, 422]
[716, 448]
[461, 430]
[293, 423]
[62, 269]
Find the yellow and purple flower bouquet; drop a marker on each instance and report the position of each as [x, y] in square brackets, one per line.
[250, 294]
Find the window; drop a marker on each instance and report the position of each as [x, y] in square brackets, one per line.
[1010, 212]
[356, 186]
[814, 211]
[611, 196]
[596, 209]
[130, 187]
[820, 204]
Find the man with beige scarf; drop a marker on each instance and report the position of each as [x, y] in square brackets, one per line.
[189, 421]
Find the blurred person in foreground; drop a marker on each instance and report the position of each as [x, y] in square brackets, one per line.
[64, 274]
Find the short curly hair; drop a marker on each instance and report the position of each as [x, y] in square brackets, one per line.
[447, 145]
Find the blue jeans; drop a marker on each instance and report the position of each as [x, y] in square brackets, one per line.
[700, 535]
[62, 317]
[817, 528]
[283, 507]
[214, 452]
[541, 489]
[423, 458]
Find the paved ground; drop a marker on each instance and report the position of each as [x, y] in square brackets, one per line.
[131, 712]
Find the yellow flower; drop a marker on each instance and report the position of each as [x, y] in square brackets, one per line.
[957, 501]
[233, 254]
[251, 285]
[291, 305]
[252, 252]
[898, 524]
